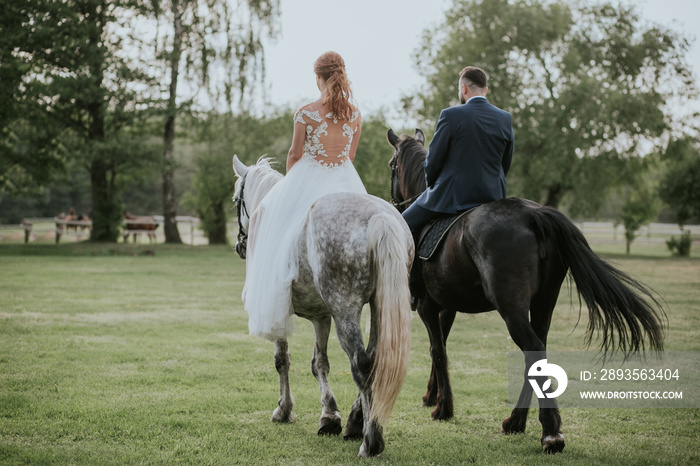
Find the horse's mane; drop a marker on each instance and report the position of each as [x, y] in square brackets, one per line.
[412, 158]
[260, 179]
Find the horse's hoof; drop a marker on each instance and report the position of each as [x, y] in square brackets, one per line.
[363, 452]
[441, 413]
[553, 443]
[352, 432]
[280, 416]
[330, 424]
[510, 426]
[353, 429]
[375, 450]
[429, 400]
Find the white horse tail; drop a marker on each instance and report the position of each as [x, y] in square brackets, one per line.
[391, 262]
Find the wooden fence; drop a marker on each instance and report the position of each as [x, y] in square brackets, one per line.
[32, 228]
[609, 232]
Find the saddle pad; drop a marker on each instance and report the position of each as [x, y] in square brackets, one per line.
[433, 232]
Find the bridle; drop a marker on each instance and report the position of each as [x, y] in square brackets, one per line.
[393, 164]
[242, 238]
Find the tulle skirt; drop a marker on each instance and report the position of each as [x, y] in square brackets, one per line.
[271, 263]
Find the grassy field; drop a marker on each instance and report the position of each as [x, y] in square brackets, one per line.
[114, 354]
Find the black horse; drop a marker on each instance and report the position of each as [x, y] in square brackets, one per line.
[512, 256]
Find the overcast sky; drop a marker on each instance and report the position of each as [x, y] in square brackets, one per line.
[378, 40]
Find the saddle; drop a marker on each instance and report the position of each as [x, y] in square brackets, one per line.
[432, 234]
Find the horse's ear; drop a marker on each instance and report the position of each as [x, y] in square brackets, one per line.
[392, 137]
[419, 136]
[239, 167]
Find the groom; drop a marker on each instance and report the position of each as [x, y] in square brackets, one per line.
[468, 158]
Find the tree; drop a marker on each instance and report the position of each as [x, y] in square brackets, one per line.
[78, 95]
[28, 155]
[373, 155]
[201, 33]
[211, 196]
[639, 209]
[586, 86]
[222, 136]
[680, 186]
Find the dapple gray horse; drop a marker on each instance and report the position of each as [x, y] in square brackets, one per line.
[366, 239]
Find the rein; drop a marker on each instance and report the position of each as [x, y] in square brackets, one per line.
[394, 176]
[403, 203]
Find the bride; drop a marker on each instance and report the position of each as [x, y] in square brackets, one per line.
[324, 142]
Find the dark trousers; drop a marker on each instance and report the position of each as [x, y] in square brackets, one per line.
[417, 217]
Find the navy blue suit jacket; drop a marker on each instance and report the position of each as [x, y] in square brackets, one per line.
[468, 158]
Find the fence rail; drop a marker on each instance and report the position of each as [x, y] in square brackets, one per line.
[606, 232]
[32, 228]
[57, 228]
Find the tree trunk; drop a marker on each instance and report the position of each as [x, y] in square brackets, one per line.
[106, 210]
[218, 233]
[105, 220]
[172, 235]
[554, 195]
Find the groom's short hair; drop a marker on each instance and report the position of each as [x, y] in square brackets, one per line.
[473, 76]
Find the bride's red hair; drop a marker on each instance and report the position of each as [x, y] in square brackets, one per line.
[331, 67]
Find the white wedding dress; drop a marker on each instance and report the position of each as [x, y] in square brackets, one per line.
[271, 263]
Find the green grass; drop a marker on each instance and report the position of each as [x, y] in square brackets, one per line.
[120, 354]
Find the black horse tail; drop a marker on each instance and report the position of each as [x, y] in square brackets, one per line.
[617, 303]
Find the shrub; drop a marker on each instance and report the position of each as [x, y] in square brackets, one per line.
[680, 247]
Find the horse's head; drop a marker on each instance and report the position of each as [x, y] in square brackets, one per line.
[253, 183]
[241, 171]
[407, 176]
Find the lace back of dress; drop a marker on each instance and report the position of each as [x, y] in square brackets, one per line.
[328, 139]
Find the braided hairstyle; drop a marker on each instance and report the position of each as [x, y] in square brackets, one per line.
[331, 67]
